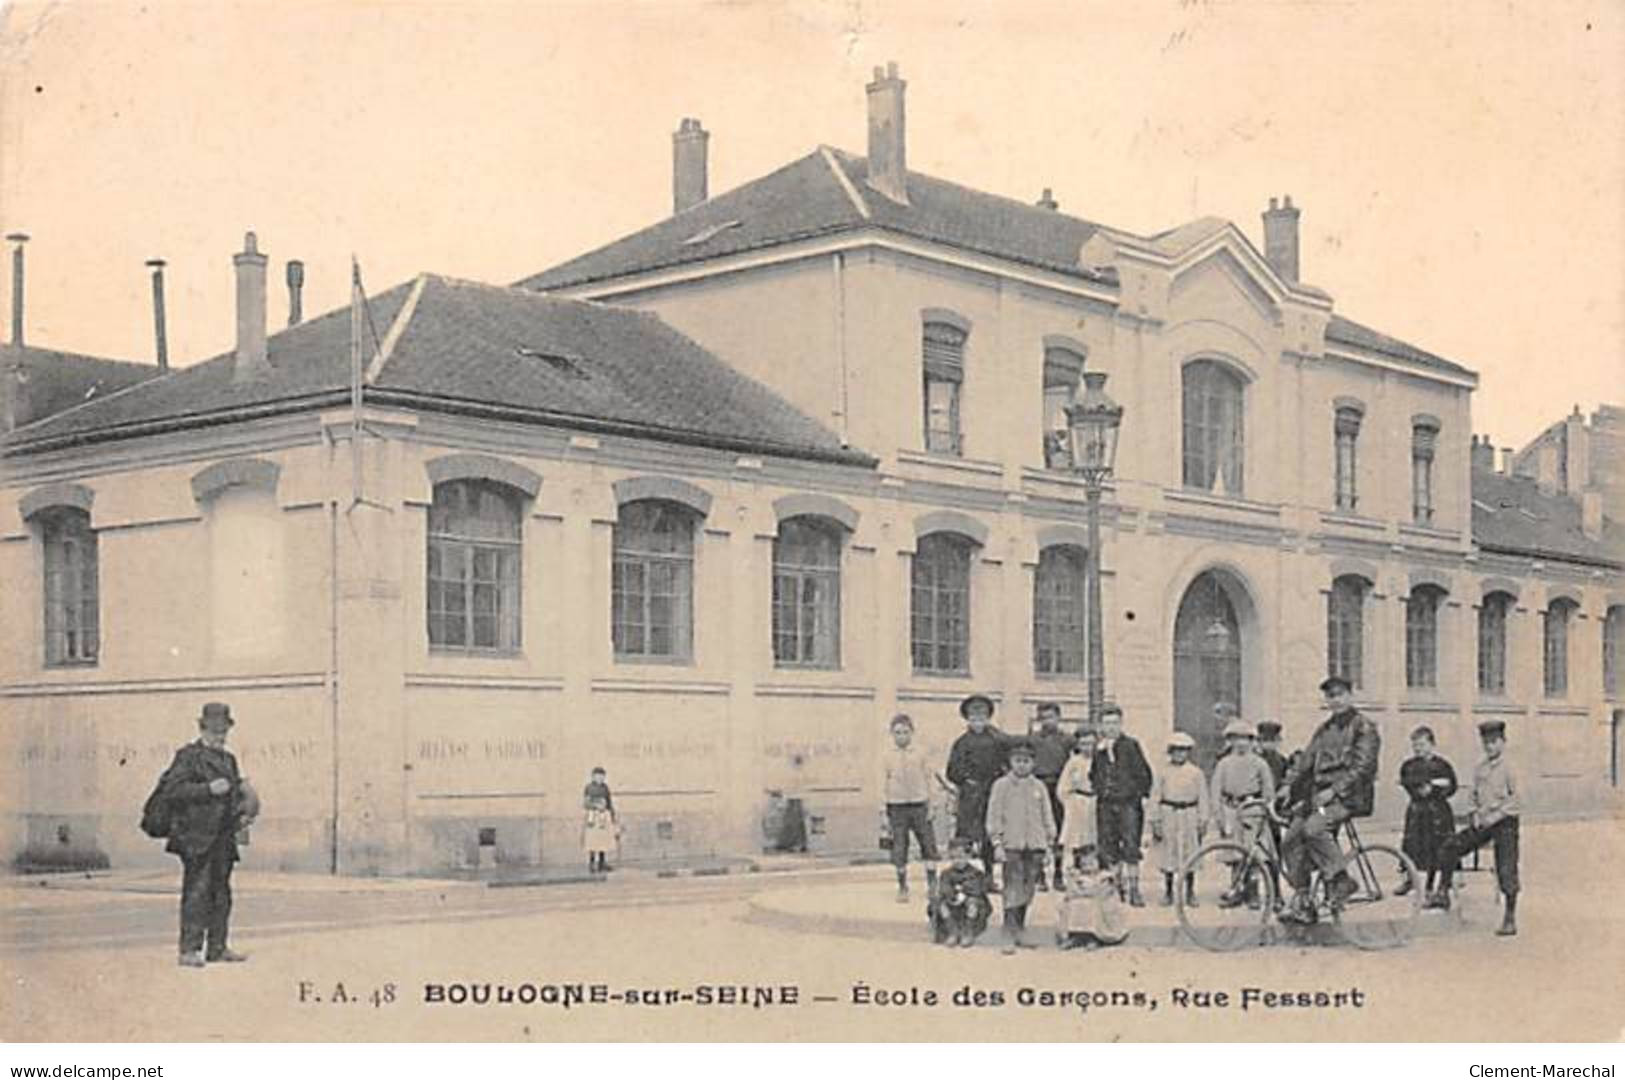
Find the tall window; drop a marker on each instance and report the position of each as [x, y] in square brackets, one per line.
[71, 588]
[807, 594]
[652, 582]
[1422, 637]
[1346, 434]
[944, 367]
[1492, 643]
[474, 549]
[1555, 632]
[1423, 438]
[1613, 650]
[940, 604]
[1345, 629]
[1058, 612]
[1062, 369]
[1213, 442]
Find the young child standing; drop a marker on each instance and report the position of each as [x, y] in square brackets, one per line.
[960, 913]
[599, 828]
[1179, 815]
[1242, 786]
[1429, 822]
[1494, 819]
[1078, 802]
[1021, 828]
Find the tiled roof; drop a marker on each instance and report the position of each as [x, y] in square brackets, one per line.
[481, 348]
[1511, 514]
[827, 192]
[61, 380]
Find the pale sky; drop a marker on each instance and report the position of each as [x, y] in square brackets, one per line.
[1461, 167]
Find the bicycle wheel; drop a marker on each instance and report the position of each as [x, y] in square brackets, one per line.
[1381, 914]
[1234, 897]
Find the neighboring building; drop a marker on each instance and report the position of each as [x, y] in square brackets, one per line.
[1582, 459]
[741, 486]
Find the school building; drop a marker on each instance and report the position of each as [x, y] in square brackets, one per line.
[707, 505]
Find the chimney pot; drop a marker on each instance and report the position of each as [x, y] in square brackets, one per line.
[690, 184]
[19, 239]
[1047, 200]
[888, 161]
[1281, 239]
[252, 360]
[296, 285]
[159, 333]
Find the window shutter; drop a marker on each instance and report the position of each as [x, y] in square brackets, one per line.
[944, 347]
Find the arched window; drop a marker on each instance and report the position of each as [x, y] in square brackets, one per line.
[652, 581]
[1062, 369]
[807, 593]
[1555, 632]
[1422, 637]
[1058, 612]
[1346, 437]
[943, 347]
[1492, 643]
[72, 611]
[474, 566]
[940, 604]
[1213, 428]
[1345, 629]
[1613, 650]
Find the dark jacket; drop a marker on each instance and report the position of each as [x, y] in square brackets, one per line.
[975, 761]
[967, 881]
[1050, 754]
[1342, 756]
[1125, 776]
[198, 818]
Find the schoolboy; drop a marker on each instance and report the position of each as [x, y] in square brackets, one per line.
[906, 784]
[1021, 828]
[1493, 820]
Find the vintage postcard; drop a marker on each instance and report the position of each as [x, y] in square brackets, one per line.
[812, 521]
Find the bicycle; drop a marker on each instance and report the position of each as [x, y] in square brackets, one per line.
[1380, 914]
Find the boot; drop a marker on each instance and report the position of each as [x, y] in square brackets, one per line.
[1134, 898]
[1509, 917]
[1167, 890]
[1405, 887]
[1439, 901]
[1060, 882]
[1190, 891]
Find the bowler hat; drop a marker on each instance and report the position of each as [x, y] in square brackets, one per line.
[1333, 683]
[964, 706]
[216, 714]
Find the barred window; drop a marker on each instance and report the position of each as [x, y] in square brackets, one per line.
[474, 566]
[1345, 629]
[1058, 612]
[1062, 369]
[1423, 439]
[1422, 637]
[1213, 428]
[940, 604]
[72, 613]
[1613, 650]
[944, 373]
[1346, 433]
[1555, 624]
[807, 594]
[652, 582]
[1492, 643]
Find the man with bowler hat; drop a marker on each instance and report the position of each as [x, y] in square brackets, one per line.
[208, 802]
[976, 759]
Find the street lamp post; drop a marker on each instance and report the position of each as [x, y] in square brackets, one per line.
[1092, 425]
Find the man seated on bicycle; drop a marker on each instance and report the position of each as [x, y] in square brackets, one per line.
[1333, 780]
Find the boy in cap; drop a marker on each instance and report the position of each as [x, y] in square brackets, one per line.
[206, 793]
[1052, 748]
[906, 784]
[960, 913]
[1494, 819]
[1021, 828]
[1122, 779]
[975, 760]
[1242, 786]
[1179, 815]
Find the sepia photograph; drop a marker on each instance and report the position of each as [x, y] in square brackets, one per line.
[813, 521]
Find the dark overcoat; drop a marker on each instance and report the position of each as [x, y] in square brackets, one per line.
[197, 816]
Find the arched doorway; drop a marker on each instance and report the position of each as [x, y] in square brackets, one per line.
[1207, 662]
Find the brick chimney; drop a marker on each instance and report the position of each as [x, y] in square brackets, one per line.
[689, 169]
[252, 361]
[160, 336]
[888, 163]
[1281, 238]
[296, 285]
[14, 358]
[1508, 462]
[1576, 446]
[1047, 201]
[1483, 454]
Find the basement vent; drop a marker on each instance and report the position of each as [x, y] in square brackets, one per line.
[569, 366]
